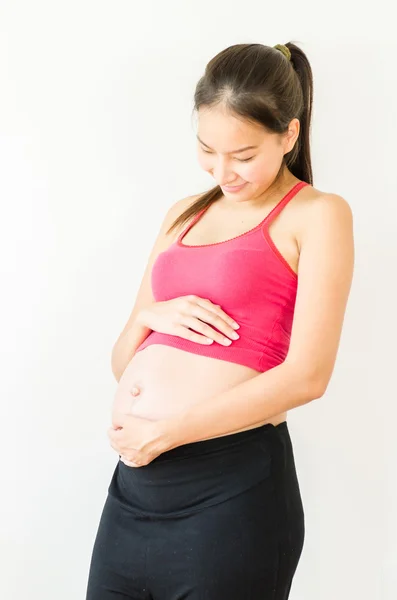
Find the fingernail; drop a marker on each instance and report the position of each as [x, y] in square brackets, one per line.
[235, 325]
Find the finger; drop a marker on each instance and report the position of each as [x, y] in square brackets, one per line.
[118, 420]
[217, 309]
[116, 445]
[115, 448]
[115, 435]
[197, 325]
[214, 318]
[129, 463]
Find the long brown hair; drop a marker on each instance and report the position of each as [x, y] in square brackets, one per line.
[261, 84]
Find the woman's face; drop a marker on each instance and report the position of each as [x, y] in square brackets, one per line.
[220, 135]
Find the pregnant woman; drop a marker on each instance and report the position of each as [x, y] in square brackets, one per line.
[237, 320]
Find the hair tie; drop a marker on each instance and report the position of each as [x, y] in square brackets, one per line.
[286, 51]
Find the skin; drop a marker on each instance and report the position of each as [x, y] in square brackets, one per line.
[222, 132]
[317, 236]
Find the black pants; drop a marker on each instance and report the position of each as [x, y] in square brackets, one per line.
[219, 519]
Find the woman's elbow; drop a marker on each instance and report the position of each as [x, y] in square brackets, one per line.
[314, 380]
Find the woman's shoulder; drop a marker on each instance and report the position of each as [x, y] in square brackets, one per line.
[312, 199]
[317, 210]
[319, 204]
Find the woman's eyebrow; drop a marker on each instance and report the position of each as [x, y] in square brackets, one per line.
[232, 151]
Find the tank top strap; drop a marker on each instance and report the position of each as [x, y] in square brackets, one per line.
[279, 207]
[190, 225]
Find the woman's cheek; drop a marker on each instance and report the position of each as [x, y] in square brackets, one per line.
[255, 174]
[248, 173]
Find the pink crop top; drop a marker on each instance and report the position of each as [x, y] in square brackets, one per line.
[248, 277]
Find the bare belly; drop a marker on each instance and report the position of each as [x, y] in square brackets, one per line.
[171, 380]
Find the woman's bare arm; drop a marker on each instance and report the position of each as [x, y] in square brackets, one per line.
[135, 331]
[325, 274]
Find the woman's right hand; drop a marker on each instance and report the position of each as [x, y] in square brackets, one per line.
[186, 315]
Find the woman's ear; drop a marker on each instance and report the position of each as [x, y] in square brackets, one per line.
[292, 135]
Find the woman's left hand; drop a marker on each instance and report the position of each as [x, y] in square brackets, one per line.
[138, 441]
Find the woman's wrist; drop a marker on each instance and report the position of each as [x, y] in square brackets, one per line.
[169, 433]
[142, 316]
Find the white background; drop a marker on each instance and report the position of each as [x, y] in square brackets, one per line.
[97, 141]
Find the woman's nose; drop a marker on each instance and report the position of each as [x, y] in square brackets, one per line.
[223, 174]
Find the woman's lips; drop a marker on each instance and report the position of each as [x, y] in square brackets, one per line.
[235, 188]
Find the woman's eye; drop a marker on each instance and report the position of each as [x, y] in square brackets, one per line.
[238, 159]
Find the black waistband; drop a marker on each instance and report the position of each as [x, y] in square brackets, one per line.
[218, 443]
[191, 477]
